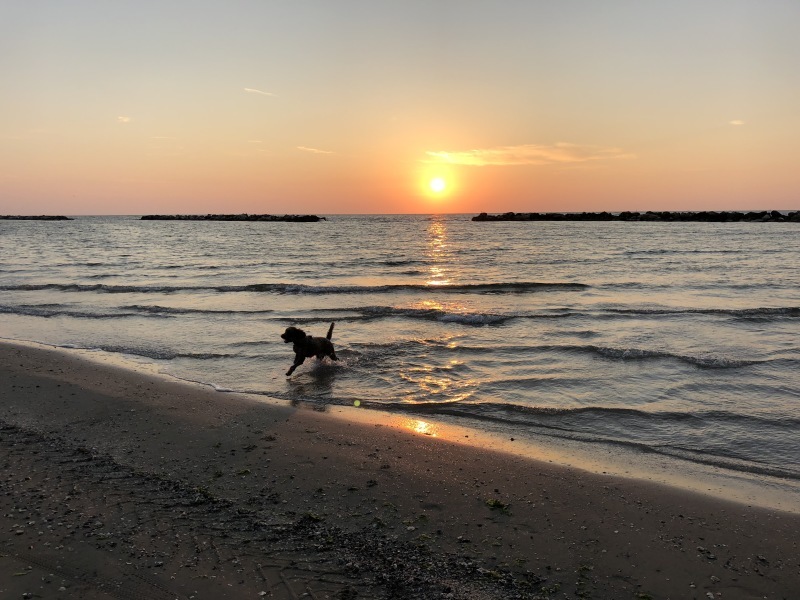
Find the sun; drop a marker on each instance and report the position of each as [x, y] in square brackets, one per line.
[437, 185]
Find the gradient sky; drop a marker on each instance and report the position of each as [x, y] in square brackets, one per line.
[342, 106]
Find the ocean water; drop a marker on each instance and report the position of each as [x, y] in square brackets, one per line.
[674, 339]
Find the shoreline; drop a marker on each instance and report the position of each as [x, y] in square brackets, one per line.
[598, 458]
[177, 488]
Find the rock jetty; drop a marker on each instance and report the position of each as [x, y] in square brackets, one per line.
[35, 218]
[664, 216]
[240, 217]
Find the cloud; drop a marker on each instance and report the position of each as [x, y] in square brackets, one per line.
[736, 122]
[314, 150]
[124, 119]
[252, 91]
[528, 154]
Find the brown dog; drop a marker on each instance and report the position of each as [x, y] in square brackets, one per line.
[306, 346]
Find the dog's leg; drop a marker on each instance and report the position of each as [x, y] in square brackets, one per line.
[299, 359]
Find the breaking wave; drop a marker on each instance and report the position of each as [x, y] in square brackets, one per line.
[747, 313]
[296, 288]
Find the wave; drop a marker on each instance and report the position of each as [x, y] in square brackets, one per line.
[469, 288]
[699, 418]
[477, 319]
[433, 314]
[622, 354]
[704, 361]
[746, 313]
[501, 351]
[374, 313]
[442, 315]
[96, 287]
[362, 314]
[593, 413]
[159, 353]
[709, 286]
[402, 263]
[48, 311]
[583, 424]
[664, 251]
[172, 310]
[358, 315]
[608, 352]
[297, 288]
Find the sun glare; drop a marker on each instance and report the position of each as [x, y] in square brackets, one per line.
[437, 185]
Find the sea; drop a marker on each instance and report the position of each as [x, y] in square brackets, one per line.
[675, 342]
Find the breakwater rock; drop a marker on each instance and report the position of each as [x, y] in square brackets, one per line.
[35, 218]
[240, 217]
[662, 216]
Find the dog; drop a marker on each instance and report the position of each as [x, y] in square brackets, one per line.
[306, 346]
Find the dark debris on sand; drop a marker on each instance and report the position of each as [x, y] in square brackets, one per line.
[151, 528]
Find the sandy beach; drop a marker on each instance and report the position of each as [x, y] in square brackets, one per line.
[116, 484]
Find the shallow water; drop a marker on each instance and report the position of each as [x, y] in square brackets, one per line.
[676, 339]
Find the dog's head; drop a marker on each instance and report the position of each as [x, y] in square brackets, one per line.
[293, 334]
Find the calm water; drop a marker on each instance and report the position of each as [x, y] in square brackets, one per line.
[673, 338]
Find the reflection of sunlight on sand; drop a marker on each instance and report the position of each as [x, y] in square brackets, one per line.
[422, 427]
[741, 487]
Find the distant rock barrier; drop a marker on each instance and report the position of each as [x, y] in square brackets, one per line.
[660, 216]
[35, 218]
[241, 217]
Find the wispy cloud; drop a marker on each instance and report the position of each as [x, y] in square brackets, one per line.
[736, 122]
[124, 119]
[253, 91]
[528, 154]
[314, 150]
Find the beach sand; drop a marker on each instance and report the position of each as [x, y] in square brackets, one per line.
[117, 484]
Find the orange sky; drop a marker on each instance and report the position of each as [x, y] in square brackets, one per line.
[353, 106]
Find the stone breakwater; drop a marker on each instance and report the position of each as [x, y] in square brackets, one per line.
[240, 217]
[658, 216]
[35, 218]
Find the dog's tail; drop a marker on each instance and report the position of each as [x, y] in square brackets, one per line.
[330, 331]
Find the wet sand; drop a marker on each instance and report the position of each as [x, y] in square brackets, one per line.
[116, 484]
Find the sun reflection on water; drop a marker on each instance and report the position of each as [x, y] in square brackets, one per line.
[437, 253]
[444, 384]
[428, 381]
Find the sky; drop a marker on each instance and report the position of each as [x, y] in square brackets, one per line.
[434, 106]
